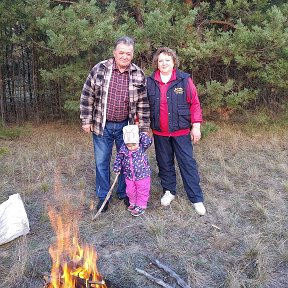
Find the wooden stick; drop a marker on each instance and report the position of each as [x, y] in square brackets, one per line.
[171, 273]
[106, 198]
[153, 279]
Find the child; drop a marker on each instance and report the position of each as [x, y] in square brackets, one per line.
[134, 162]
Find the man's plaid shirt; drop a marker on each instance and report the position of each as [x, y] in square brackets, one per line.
[93, 101]
[118, 95]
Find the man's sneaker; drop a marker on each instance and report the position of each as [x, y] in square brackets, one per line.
[167, 198]
[131, 207]
[125, 200]
[137, 211]
[200, 208]
[105, 208]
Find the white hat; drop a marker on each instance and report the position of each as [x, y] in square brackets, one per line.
[131, 134]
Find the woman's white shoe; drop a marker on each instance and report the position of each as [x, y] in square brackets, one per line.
[200, 208]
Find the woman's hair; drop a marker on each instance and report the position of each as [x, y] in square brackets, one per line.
[166, 51]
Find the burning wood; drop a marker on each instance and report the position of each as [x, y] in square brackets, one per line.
[79, 283]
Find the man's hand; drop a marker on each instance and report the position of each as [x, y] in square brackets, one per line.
[195, 133]
[149, 133]
[87, 128]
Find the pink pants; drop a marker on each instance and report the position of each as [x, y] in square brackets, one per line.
[138, 191]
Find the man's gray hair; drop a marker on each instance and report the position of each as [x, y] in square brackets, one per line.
[125, 40]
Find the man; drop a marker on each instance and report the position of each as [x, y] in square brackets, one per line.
[113, 95]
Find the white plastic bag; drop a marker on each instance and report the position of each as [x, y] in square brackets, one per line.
[13, 219]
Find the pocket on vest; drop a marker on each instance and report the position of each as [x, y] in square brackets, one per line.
[184, 117]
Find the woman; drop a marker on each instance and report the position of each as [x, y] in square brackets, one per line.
[176, 116]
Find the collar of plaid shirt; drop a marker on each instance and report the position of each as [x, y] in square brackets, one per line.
[114, 67]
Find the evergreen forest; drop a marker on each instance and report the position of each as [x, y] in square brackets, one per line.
[235, 50]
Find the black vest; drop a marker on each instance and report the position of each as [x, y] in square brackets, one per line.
[178, 107]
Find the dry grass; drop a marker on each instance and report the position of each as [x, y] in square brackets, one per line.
[241, 242]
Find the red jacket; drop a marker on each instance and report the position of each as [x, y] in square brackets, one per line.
[192, 97]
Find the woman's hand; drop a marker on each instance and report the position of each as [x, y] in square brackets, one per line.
[195, 133]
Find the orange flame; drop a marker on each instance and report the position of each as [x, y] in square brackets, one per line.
[70, 260]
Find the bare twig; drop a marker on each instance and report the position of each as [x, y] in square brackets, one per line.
[106, 198]
[39, 45]
[153, 279]
[171, 273]
[223, 23]
[196, 3]
[220, 22]
[216, 227]
[64, 1]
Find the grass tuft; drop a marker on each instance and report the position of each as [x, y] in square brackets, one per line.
[12, 133]
[4, 150]
[208, 128]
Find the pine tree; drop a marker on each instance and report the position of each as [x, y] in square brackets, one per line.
[235, 50]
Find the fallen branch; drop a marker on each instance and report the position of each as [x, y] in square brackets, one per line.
[153, 279]
[171, 273]
[106, 198]
[168, 270]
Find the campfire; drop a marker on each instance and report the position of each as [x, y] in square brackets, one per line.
[73, 263]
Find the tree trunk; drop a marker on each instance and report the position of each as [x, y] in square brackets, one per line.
[24, 60]
[2, 99]
[34, 82]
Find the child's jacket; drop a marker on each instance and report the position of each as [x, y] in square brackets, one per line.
[134, 163]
